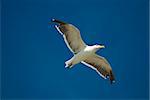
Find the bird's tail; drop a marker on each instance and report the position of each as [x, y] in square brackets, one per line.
[58, 21]
[111, 77]
[68, 63]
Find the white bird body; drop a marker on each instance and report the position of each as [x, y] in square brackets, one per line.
[82, 52]
[81, 56]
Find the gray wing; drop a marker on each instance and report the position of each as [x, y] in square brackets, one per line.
[71, 37]
[101, 66]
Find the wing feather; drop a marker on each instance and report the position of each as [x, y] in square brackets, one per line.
[71, 37]
[101, 65]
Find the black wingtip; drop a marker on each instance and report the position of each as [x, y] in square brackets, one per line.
[58, 21]
[111, 77]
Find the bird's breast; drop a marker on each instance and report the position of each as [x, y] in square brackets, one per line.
[82, 55]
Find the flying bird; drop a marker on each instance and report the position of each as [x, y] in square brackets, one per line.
[82, 52]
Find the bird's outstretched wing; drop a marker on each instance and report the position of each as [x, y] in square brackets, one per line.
[101, 66]
[71, 36]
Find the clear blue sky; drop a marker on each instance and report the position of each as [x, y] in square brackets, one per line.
[33, 52]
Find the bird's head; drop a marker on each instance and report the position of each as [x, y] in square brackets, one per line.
[98, 46]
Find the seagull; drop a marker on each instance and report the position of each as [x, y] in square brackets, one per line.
[82, 52]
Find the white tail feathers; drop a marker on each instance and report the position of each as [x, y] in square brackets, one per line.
[68, 64]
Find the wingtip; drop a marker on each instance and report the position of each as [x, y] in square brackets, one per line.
[111, 77]
[58, 21]
[112, 81]
[53, 20]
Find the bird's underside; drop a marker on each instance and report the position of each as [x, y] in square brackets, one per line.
[82, 52]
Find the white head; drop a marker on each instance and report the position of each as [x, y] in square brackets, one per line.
[97, 47]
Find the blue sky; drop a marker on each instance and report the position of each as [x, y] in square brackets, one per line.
[33, 52]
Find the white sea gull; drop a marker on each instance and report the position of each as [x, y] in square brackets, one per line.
[82, 52]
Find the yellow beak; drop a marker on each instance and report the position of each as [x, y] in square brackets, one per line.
[101, 46]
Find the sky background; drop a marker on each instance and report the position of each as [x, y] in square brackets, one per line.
[33, 52]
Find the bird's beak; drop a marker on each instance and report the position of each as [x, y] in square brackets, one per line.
[101, 46]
